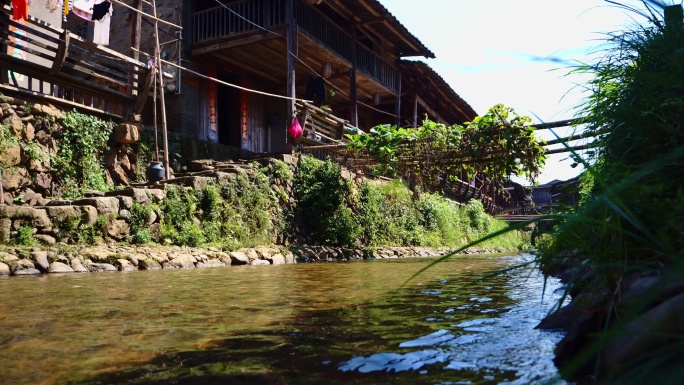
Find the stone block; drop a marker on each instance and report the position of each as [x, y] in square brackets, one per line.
[127, 133]
[16, 180]
[4, 269]
[12, 156]
[238, 258]
[104, 205]
[5, 229]
[27, 215]
[59, 267]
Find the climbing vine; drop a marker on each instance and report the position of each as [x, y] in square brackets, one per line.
[79, 163]
[497, 144]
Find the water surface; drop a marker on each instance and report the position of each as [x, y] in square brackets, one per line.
[287, 324]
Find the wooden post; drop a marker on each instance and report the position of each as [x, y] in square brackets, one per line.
[160, 76]
[415, 110]
[353, 97]
[398, 97]
[136, 25]
[290, 36]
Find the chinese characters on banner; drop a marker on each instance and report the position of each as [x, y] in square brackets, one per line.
[213, 119]
[244, 126]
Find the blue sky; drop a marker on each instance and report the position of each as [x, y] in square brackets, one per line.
[515, 52]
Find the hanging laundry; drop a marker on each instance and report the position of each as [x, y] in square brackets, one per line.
[315, 90]
[101, 32]
[100, 10]
[19, 10]
[52, 5]
[83, 9]
[67, 8]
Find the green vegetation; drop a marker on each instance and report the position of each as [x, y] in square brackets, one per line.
[496, 144]
[25, 237]
[78, 163]
[34, 152]
[7, 138]
[139, 223]
[630, 218]
[241, 212]
[386, 214]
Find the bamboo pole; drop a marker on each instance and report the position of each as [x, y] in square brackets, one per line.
[154, 14]
[154, 117]
[157, 59]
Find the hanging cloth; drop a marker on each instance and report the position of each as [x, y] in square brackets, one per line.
[67, 8]
[19, 10]
[83, 9]
[101, 31]
[315, 90]
[100, 10]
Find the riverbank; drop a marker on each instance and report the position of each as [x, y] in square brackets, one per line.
[116, 257]
[614, 334]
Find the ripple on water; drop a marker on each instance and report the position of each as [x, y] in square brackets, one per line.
[505, 342]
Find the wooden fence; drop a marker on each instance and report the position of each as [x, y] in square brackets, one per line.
[40, 60]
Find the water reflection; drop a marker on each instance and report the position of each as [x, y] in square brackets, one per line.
[288, 324]
[506, 346]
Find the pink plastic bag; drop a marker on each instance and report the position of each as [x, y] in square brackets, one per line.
[295, 129]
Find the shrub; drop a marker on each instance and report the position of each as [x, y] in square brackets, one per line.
[138, 222]
[24, 237]
[321, 194]
[78, 163]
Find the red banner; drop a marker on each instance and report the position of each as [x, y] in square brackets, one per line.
[244, 117]
[213, 118]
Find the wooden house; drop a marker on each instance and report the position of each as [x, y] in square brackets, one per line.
[347, 57]
[351, 49]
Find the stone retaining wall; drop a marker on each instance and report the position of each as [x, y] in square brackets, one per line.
[49, 219]
[111, 258]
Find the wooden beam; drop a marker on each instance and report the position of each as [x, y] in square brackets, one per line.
[398, 106]
[569, 138]
[557, 124]
[290, 32]
[338, 75]
[353, 96]
[144, 92]
[40, 72]
[415, 111]
[246, 67]
[568, 149]
[136, 26]
[390, 26]
[55, 100]
[373, 20]
[430, 110]
[234, 43]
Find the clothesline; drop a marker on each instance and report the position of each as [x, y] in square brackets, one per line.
[147, 14]
[302, 61]
[222, 82]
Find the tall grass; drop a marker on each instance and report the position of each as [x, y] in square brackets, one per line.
[630, 222]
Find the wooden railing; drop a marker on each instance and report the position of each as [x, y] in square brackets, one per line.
[248, 15]
[321, 127]
[315, 25]
[48, 62]
[236, 18]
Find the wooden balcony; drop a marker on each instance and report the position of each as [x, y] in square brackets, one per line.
[244, 18]
[39, 60]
